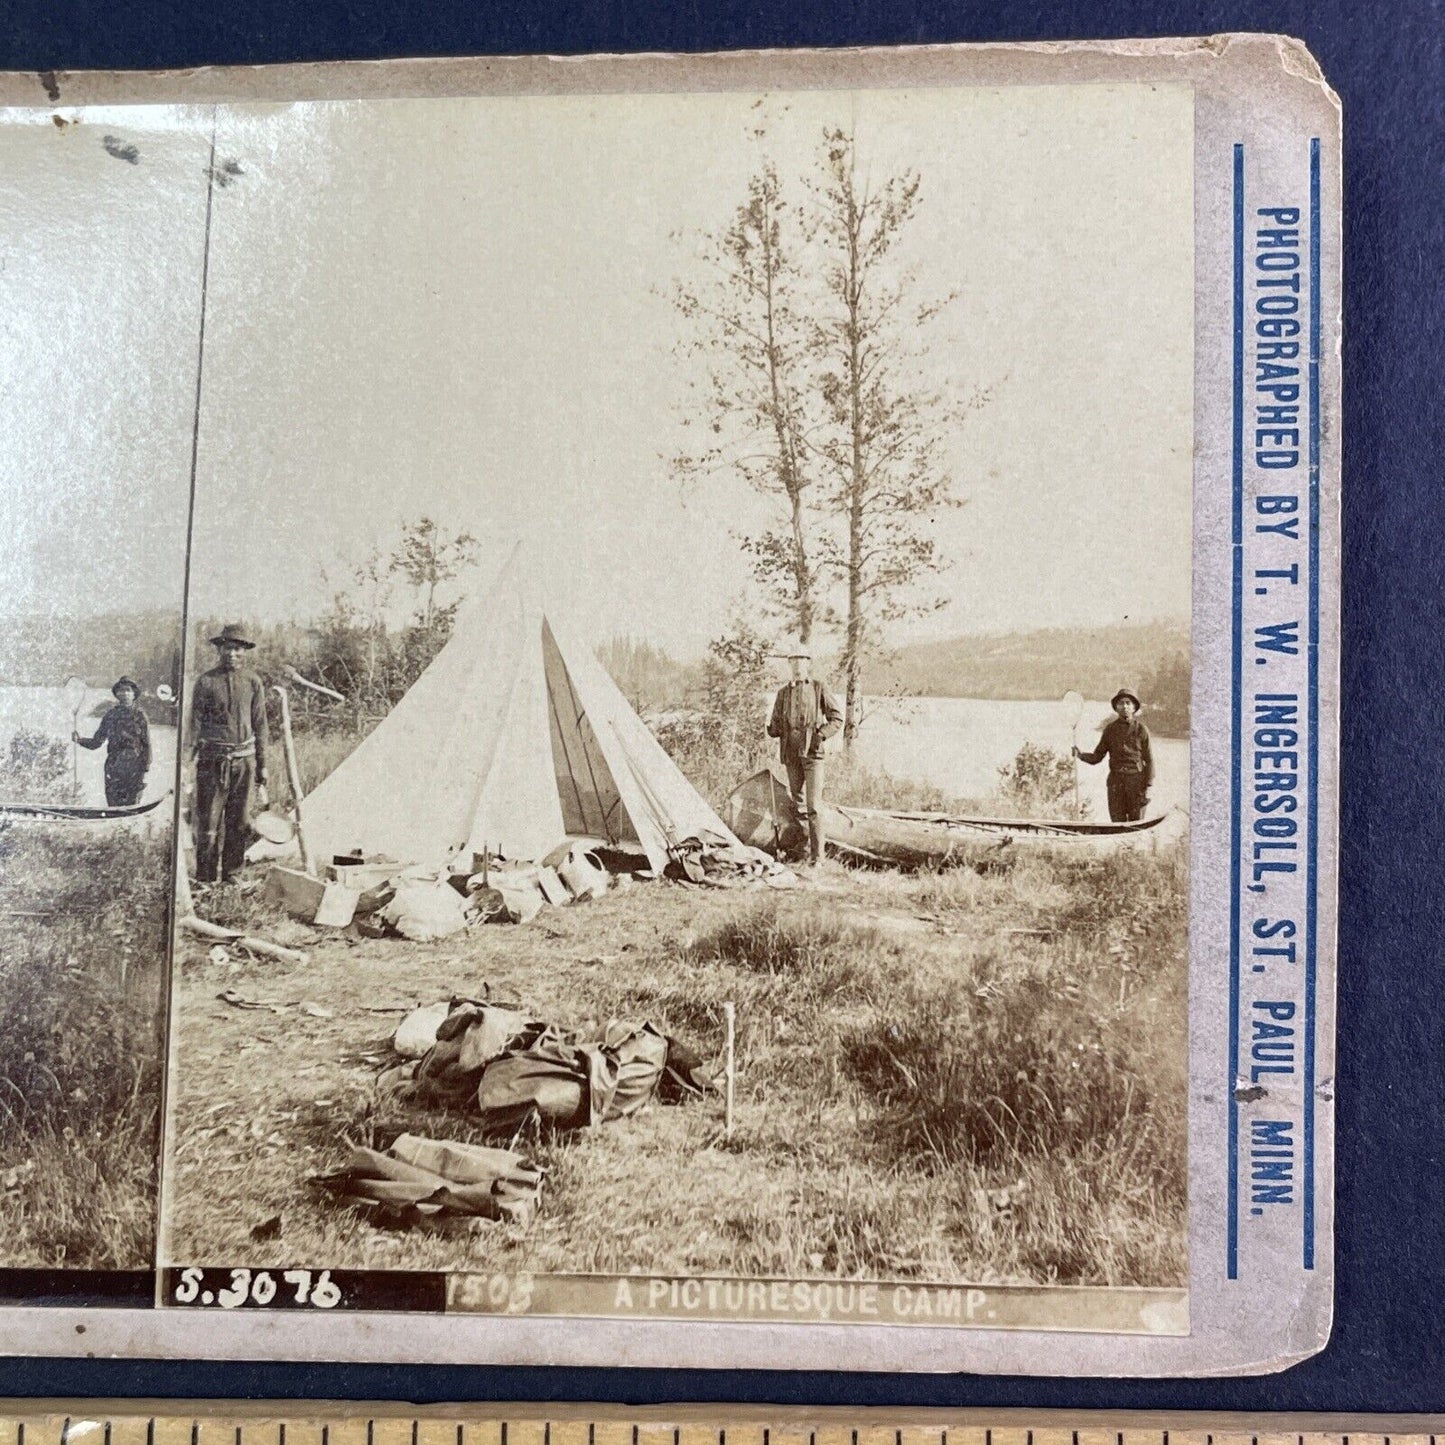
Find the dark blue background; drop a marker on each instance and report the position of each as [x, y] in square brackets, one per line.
[1388, 1351]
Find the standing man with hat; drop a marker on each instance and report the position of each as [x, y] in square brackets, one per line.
[228, 731]
[1125, 742]
[127, 739]
[804, 718]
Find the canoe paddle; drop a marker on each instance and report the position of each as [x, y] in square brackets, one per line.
[75, 691]
[1074, 705]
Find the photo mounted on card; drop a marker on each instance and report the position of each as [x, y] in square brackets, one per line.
[751, 646]
[97, 426]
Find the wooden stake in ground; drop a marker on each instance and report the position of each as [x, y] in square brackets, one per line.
[730, 1070]
[288, 744]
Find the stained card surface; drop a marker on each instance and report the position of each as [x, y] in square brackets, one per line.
[673, 710]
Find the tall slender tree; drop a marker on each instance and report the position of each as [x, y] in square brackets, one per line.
[752, 338]
[883, 445]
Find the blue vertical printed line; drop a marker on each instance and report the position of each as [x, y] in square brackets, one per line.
[1312, 680]
[1235, 724]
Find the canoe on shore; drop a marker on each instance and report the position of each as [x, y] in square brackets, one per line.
[759, 813]
[82, 813]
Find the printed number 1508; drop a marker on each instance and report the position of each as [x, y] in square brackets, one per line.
[319, 1291]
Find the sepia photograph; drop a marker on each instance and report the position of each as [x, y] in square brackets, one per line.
[689, 698]
[96, 438]
[673, 710]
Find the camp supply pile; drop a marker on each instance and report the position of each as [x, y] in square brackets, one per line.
[507, 1068]
[383, 898]
[722, 862]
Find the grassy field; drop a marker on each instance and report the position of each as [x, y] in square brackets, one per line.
[81, 989]
[951, 1076]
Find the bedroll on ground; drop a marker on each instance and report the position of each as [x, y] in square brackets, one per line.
[419, 1179]
[508, 1069]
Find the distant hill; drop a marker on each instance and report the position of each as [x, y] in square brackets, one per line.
[1093, 661]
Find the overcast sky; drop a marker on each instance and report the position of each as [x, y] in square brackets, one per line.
[459, 308]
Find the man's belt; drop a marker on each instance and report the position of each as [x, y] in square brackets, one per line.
[228, 751]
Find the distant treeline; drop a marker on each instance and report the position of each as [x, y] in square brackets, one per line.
[46, 651]
[1093, 661]
[1153, 658]
[374, 666]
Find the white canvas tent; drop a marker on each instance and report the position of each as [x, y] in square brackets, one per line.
[511, 741]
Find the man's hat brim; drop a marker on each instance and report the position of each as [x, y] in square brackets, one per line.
[125, 682]
[232, 635]
[1130, 694]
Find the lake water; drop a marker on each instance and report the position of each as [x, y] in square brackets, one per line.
[959, 744]
[46, 710]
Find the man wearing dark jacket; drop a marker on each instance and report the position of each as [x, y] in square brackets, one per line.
[126, 736]
[1125, 742]
[804, 718]
[228, 732]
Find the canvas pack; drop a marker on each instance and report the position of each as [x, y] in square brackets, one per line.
[673, 711]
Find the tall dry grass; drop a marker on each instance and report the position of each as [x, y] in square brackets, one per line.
[1057, 1065]
[81, 992]
[1022, 1105]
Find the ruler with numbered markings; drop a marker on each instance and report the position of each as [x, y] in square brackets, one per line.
[132, 1422]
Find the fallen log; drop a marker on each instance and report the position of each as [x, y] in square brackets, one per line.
[261, 946]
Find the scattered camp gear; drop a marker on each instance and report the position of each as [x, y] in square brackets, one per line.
[417, 1032]
[913, 840]
[522, 904]
[273, 828]
[233, 632]
[722, 862]
[328, 904]
[580, 870]
[419, 1179]
[470, 1037]
[568, 1085]
[511, 1068]
[423, 911]
[512, 740]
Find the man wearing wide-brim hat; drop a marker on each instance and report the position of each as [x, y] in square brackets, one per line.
[228, 734]
[1125, 742]
[804, 717]
[127, 739]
